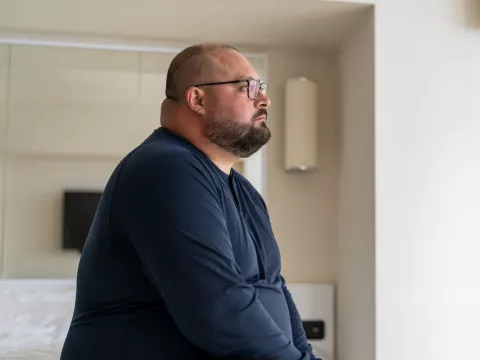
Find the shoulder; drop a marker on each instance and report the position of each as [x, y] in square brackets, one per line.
[163, 160]
[163, 152]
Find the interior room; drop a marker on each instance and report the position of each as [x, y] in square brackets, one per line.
[81, 85]
[379, 243]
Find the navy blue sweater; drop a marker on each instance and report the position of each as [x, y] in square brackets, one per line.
[181, 263]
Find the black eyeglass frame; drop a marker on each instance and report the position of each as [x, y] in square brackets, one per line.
[262, 86]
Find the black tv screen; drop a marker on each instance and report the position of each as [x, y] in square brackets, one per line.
[79, 209]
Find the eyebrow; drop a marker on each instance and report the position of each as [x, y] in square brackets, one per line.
[244, 77]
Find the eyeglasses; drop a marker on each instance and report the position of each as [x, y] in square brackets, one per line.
[254, 86]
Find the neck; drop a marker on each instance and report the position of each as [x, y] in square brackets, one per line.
[222, 159]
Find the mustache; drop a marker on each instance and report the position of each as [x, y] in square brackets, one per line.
[259, 113]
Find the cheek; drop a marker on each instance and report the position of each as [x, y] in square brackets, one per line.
[246, 113]
[213, 111]
[233, 109]
[234, 113]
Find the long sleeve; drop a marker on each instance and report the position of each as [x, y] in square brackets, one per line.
[172, 214]
[299, 338]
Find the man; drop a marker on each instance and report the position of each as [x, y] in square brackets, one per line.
[181, 262]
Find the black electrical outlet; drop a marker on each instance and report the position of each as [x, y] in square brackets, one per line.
[314, 329]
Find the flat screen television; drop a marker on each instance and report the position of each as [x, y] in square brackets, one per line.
[79, 209]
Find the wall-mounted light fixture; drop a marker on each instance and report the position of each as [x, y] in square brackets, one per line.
[300, 125]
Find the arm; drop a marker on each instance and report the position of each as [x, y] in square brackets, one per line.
[299, 338]
[175, 222]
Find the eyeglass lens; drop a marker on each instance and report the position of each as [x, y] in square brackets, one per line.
[255, 87]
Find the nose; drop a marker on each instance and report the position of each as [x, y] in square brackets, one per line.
[262, 100]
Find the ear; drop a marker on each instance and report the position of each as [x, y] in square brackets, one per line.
[195, 99]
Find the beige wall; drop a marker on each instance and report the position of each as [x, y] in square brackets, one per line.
[63, 105]
[73, 113]
[3, 112]
[4, 60]
[303, 206]
[355, 265]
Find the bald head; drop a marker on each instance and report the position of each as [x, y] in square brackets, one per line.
[227, 121]
[194, 65]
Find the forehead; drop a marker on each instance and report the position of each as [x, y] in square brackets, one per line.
[234, 65]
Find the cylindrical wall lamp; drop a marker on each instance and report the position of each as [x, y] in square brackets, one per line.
[300, 125]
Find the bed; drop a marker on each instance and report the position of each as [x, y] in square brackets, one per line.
[34, 317]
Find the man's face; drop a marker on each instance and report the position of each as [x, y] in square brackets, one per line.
[233, 121]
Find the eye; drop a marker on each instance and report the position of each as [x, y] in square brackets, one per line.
[244, 87]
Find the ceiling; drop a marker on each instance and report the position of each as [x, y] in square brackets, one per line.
[246, 22]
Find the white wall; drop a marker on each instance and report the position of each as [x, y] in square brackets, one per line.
[427, 180]
[355, 271]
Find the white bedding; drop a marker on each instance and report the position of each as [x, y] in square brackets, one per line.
[34, 318]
